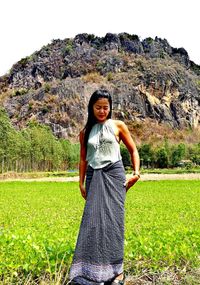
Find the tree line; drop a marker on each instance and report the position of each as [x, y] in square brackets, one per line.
[166, 155]
[35, 148]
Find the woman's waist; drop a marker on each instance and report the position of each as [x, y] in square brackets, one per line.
[106, 165]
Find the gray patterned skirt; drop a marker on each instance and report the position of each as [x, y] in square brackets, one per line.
[99, 249]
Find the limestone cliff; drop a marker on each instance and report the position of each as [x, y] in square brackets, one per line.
[149, 80]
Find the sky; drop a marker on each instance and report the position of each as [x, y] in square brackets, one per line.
[28, 25]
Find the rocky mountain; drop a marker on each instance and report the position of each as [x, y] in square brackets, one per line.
[151, 83]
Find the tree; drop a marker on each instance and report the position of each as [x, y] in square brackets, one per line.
[146, 155]
[70, 153]
[162, 160]
[43, 148]
[7, 141]
[194, 153]
[178, 154]
[125, 156]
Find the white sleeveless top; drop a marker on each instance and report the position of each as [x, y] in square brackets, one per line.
[102, 146]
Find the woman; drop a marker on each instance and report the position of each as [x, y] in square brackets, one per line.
[98, 256]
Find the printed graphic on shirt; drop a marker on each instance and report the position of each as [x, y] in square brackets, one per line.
[104, 144]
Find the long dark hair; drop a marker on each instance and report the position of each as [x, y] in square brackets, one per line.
[91, 121]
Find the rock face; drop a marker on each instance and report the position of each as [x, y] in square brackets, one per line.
[147, 79]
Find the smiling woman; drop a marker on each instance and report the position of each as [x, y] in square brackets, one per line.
[99, 250]
[101, 109]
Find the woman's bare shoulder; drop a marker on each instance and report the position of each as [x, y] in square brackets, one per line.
[119, 124]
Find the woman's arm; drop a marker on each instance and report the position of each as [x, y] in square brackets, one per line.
[125, 136]
[82, 165]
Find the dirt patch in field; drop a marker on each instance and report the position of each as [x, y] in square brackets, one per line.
[144, 177]
[168, 277]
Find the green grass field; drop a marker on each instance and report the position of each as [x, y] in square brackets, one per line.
[39, 223]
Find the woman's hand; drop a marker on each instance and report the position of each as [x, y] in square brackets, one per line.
[83, 191]
[131, 181]
[125, 136]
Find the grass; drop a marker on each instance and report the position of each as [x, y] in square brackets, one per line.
[39, 223]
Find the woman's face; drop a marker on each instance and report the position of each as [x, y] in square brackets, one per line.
[101, 109]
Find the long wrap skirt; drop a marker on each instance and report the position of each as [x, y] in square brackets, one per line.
[99, 249]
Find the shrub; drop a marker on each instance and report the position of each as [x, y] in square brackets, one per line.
[69, 47]
[19, 92]
[93, 77]
[110, 76]
[47, 87]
